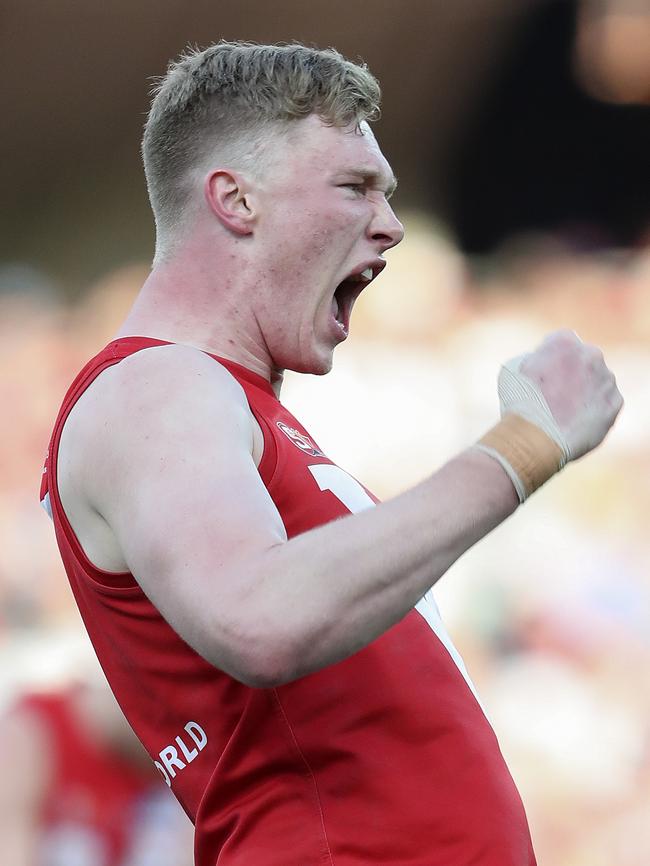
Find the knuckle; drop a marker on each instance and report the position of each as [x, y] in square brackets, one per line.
[567, 337]
[561, 334]
[595, 354]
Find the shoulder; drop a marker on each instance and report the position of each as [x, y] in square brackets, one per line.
[160, 399]
[173, 369]
[158, 386]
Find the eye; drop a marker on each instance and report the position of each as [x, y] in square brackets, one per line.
[355, 187]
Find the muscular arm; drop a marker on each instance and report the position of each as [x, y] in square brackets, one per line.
[178, 486]
[171, 472]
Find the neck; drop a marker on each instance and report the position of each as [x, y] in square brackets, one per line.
[205, 302]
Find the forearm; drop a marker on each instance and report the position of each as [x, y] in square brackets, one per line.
[326, 594]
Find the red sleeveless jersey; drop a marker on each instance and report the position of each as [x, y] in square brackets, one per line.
[384, 758]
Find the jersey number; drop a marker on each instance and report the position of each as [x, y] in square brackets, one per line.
[346, 488]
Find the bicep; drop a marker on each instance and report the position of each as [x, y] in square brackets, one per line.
[189, 509]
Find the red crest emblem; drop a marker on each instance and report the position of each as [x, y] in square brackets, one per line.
[300, 440]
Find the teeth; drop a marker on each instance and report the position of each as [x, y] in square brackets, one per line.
[367, 274]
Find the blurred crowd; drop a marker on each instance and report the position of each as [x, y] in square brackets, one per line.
[551, 612]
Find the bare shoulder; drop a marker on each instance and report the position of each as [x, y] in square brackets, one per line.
[173, 360]
[172, 377]
[163, 392]
[165, 413]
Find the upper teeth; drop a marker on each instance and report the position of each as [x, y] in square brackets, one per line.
[367, 274]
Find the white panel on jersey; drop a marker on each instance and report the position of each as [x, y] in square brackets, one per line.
[428, 608]
[47, 505]
[348, 491]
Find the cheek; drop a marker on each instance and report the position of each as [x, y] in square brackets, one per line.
[306, 253]
[330, 241]
[307, 249]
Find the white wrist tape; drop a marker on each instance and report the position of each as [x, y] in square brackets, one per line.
[519, 394]
[527, 442]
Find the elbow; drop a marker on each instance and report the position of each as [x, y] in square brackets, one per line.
[275, 668]
[268, 661]
[258, 679]
[264, 648]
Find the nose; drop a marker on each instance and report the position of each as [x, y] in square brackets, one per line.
[385, 227]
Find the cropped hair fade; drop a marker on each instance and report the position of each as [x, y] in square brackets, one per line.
[232, 92]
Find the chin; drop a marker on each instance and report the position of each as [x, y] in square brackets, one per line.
[315, 369]
[317, 365]
[314, 355]
[322, 362]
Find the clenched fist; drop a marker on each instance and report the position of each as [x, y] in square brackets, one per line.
[557, 404]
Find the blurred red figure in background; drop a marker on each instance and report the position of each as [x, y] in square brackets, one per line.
[77, 789]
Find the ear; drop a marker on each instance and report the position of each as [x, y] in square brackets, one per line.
[229, 199]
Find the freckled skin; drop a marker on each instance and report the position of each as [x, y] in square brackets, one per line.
[260, 275]
[313, 231]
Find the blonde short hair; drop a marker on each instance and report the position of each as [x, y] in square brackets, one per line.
[232, 96]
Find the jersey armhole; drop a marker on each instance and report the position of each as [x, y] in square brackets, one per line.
[105, 581]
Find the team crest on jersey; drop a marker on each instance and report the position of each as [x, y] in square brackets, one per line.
[300, 440]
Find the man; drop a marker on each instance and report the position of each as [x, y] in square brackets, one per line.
[281, 658]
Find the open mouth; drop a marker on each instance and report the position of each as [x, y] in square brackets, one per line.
[348, 290]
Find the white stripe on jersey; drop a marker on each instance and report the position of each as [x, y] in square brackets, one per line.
[347, 490]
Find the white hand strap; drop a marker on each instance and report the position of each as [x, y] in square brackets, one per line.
[527, 442]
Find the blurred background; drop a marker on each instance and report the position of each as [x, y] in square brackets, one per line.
[520, 133]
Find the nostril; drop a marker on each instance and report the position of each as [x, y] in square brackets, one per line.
[388, 239]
